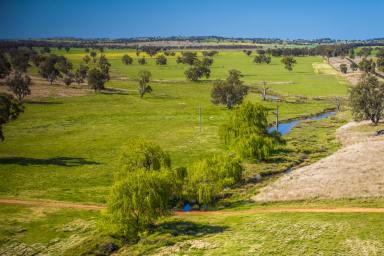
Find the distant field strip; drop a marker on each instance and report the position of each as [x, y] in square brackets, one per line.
[59, 204]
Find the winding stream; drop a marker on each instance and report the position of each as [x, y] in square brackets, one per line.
[286, 127]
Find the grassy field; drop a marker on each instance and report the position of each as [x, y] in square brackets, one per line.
[67, 148]
[74, 232]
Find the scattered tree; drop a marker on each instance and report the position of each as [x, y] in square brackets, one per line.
[229, 92]
[262, 58]
[9, 110]
[5, 66]
[141, 61]
[289, 62]
[195, 72]
[366, 99]
[86, 59]
[19, 60]
[19, 85]
[161, 60]
[343, 68]
[144, 79]
[126, 59]
[96, 79]
[187, 58]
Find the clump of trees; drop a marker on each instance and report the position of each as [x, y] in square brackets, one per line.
[262, 58]
[98, 75]
[126, 59]
[146, 187]
[366, 99]
[367, 66]
[289, 62]
[247, 52]
[144, 77]
[161, 60]
[197, 71]
[229, 92]
[246, 133]
[343, 68]
[187, 58]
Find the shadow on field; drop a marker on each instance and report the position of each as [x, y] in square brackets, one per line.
[59, 161]
[183, 228]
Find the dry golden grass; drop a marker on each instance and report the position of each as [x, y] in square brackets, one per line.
[355, 171]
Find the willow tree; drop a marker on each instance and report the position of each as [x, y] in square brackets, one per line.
[207, 178]
[142, 154]
[247, 134]
[136, 201]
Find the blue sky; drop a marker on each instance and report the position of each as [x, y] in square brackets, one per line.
[289, 19]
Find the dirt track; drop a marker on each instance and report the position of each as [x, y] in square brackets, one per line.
[58, 204]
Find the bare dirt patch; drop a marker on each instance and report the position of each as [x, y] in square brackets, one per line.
[40, 88]
[355, 171]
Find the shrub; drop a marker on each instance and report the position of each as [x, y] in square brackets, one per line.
[126, 59]
[161, 60]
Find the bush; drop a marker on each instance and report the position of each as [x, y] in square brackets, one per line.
[343, 68]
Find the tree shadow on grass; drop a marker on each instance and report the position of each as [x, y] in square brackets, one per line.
[58, 161]
[187, 228]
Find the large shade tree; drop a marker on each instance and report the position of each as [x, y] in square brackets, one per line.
[366, 99]
[229, 92]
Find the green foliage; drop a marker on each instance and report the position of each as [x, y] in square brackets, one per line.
[137, 201]
[344, 68]
[229, 92]
[187, 58]
[353, 66]
[247, 132]
[19, 60]
[141, 61]
[366, 99]
[194, 73]
[9, 110]
[289, 62]
[207, 178]
[352, 54]
[19, 85]
[96, 79]
[144, 78]
[262, 58]
[126, 59]
[161, 60]
[142, 154]
[367, 66]
[5, 66]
